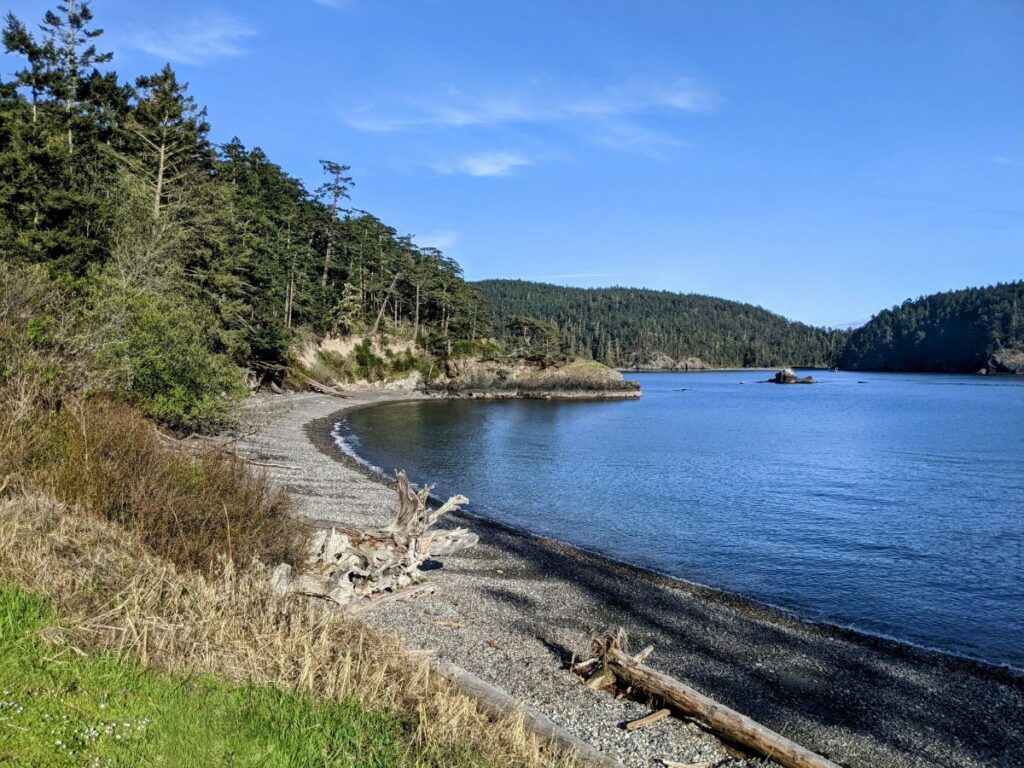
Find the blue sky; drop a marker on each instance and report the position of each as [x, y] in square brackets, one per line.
[823, 159]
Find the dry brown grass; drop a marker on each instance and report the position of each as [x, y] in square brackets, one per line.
[120, 597]
[191, 507]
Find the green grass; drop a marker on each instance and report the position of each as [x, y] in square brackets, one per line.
[59, 708]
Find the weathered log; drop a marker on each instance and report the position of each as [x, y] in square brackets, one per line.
[348, 565]
[727, 722]
[323, 389]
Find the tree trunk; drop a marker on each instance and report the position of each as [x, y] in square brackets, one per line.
[328, 255]
[446, 317]
[329, 252]
[160, 170]
[383, 306]
[416, 317]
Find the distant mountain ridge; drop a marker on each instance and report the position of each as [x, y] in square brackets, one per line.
[962, 331]
[642, 328]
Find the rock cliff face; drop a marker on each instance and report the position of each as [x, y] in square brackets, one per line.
[580, 379]
[662, 362]
[369, 364]
[1007, 361]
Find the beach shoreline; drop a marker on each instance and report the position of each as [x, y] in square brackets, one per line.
[320, 433]
[787, 673]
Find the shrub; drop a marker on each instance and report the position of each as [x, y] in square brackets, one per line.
[484, 349]
[369, 365]
[171, 369]
[44, 356]
[160, 353]
[403, 362]
[192, 507]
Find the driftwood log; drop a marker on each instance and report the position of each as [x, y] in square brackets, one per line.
[350, 567]
[324, 389]
[613, 661]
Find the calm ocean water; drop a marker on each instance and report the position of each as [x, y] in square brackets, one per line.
[890, 503]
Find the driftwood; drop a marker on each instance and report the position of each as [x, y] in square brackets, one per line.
[348, 566]
[323, 389]
[615, 661]
[651, 719]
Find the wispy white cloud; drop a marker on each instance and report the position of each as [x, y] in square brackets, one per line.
[442, 239]
[631, 137]
[485, 164]
[456, 109]
[333, 3]
[1005, 160]
[198, 40]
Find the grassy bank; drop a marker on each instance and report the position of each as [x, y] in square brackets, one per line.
[127, 628]
[58, 708]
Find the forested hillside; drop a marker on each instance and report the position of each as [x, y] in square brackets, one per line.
[625, 327]
[966, 331]
[190, 260]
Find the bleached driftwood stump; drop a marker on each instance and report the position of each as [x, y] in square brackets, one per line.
[347, 566]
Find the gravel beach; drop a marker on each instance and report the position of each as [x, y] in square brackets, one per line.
[515, 609]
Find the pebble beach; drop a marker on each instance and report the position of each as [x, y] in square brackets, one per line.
[516, 609]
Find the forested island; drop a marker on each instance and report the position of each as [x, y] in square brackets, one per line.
[977, 329]
[640, 328]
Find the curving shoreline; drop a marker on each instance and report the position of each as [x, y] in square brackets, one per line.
[523, 604]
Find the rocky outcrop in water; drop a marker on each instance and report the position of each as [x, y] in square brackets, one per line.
[786, 376]
[579, 379]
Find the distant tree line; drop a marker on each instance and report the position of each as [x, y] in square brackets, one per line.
[623, 327]
[958, 331]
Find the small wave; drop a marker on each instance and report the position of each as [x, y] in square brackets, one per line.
[346, 447]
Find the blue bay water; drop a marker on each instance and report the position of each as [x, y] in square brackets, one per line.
[895, 506]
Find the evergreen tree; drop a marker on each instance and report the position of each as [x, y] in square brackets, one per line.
[70, 52]
[332, 192]
[35, 76]
[164, 139]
